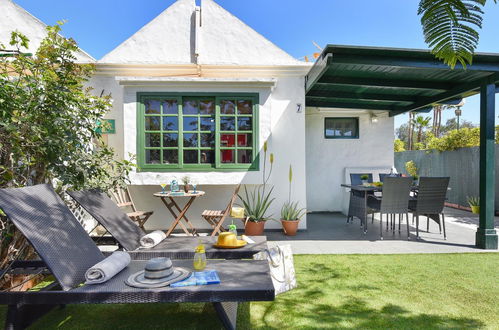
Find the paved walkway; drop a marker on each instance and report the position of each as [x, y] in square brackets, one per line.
[328, 233]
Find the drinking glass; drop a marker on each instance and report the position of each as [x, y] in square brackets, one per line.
[163, 186]
[194, 185]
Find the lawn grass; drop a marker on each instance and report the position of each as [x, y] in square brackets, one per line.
[335, 291]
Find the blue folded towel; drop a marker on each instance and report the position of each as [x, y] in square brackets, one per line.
[199, 278]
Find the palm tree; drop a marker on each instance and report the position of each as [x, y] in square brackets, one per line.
[450, 28]
[420, 123]
[410, 134]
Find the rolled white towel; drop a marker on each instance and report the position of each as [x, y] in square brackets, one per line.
[152, 239]
[107, 268]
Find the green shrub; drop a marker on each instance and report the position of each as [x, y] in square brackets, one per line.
[398, 145]
[411, 168]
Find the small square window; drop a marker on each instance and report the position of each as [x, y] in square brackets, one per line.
[341, 128]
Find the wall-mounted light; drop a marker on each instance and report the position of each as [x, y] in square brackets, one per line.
[374, 118]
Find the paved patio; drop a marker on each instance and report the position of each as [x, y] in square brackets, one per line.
[328, 233]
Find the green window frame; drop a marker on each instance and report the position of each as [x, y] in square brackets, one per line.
[339, 124]
[177, 139]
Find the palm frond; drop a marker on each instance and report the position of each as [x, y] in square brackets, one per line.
[451, 27]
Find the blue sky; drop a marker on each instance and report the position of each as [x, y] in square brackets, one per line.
[100, 26]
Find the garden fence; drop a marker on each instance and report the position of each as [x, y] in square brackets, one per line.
[462, 165]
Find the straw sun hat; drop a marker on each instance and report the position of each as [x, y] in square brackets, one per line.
[158, 273]
[228, 240]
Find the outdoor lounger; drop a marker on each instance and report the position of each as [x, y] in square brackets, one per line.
[62, 243]
[128, 234]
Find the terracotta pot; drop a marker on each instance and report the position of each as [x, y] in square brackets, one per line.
[254, 228]
[186, 188]
[290, 227]
[475, 209]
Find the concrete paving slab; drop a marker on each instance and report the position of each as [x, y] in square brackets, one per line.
[328, 233]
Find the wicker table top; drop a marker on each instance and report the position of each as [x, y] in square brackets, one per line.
[183, 248]
[241, 280]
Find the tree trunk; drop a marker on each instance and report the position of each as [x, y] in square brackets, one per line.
[410, 132]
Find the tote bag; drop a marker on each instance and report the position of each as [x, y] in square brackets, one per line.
[282, 269]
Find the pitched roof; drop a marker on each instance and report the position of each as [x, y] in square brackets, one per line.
[15, 17]
[214, 37]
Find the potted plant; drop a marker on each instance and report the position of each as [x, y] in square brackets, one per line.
[185, 181]
[364, 178]
[412, 170]
[257, 202]
[474, 203]
[290, 212]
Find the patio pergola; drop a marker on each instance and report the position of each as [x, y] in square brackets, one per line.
[403, 80]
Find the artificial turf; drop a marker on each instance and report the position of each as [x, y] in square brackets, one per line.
[424, 291]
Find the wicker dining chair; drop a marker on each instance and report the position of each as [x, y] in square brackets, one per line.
[124, 201]
[430, 202]
[395, 201]
[216, 217]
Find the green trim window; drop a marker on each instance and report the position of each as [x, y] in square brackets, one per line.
[341, 128]
[197, 132]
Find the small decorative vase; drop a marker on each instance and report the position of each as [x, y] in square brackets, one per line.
[186, 188]
[254, 228]
[475, 209]
[290, 227]
[364, 182]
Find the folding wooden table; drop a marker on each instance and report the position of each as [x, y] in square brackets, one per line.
[169, 200]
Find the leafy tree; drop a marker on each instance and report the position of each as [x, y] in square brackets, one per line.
[451, 27]
[48, 127]
[398, 145]
[451, 124]
[466, 137]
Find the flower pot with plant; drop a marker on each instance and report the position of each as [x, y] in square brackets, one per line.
[412, 170]
[364, 178]
[185, 181]
[290, 212]
[256, 203]
[474, 203]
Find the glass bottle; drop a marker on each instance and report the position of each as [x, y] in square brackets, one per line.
[174, 186]
[199, 261]
[233, 229]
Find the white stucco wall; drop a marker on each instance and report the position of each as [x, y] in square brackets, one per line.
[329, 160]
[279, 123]
[216, 37]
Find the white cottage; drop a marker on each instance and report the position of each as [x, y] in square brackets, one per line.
[197, 92]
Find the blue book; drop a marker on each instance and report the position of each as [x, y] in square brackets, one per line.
[199, 278]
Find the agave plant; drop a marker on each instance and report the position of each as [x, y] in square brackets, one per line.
[473, 201]
[291, 212]
[256, 204]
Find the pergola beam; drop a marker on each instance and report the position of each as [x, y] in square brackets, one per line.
[388, 83]
[458, 91]
[346, 105]
[361, 96]
[415, 63]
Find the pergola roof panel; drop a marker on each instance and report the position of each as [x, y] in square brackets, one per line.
[399, 79]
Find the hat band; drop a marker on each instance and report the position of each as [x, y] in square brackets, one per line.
[152, 275]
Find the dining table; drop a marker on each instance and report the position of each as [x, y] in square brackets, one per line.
[358, 202]
[179, 214]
